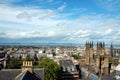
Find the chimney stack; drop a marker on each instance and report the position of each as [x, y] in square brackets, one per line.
[27, 65]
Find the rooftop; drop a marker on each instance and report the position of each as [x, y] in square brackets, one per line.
[10, 74]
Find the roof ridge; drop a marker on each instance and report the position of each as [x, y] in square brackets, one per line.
[21, 74]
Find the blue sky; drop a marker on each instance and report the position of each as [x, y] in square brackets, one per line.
[61, 20]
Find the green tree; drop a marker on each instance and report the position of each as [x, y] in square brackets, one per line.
[75, 56]
[51, 68]
[28, 58]
[110, 60]
[35, 59]
[20, 57]
[14, 63]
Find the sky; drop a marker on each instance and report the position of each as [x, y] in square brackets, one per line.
[75, 21]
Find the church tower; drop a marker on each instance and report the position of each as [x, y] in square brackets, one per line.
[89, 53]
[102, 60]
[101, 48]
[111, 50]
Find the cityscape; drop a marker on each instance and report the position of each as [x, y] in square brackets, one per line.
[60, 40]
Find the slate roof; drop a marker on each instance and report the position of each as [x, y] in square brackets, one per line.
[11, 74]
[67, 65]
[108, 77]
[93, 76]
[28, 76]
[83, 72]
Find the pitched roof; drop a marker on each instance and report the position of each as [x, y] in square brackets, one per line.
[67, 65]
[92, 76]
[108, 77]
[28, 76]
[10, 74]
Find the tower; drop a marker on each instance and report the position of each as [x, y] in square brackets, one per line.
[111, 50]
[101, 48]
[89, 53]
[102, 60]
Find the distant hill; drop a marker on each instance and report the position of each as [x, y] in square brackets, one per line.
[44, 41]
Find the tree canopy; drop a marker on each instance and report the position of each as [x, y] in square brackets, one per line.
[14, 63]
[75, 56]
[51, 68]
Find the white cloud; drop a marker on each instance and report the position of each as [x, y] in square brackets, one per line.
[107, 32]
[79, 35]
[19, 22]
[49, 13]
[25, 15]
[62, 7]
[51, 33]
[28, 16]
[27, 34]
[96, 28]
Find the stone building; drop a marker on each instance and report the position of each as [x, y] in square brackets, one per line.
[89, 53]
[114, 51]
[101, 60]
[97, 60]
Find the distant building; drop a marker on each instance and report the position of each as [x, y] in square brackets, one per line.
[50, 55]
[114, 51]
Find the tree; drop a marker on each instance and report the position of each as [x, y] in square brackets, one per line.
[14, 63]
[51, 68]
[20, 57]
[75, 56]
[28, 58]
[35, 58]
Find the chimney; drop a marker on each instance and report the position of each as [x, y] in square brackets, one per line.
[27, 65]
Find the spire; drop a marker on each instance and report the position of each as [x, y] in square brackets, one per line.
[103, 44]
[111, 45]
[111, 49]
[86, 44]
[89, 44]
[92, 43]
[97, 44]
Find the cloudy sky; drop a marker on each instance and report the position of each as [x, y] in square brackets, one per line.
[61, 20]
